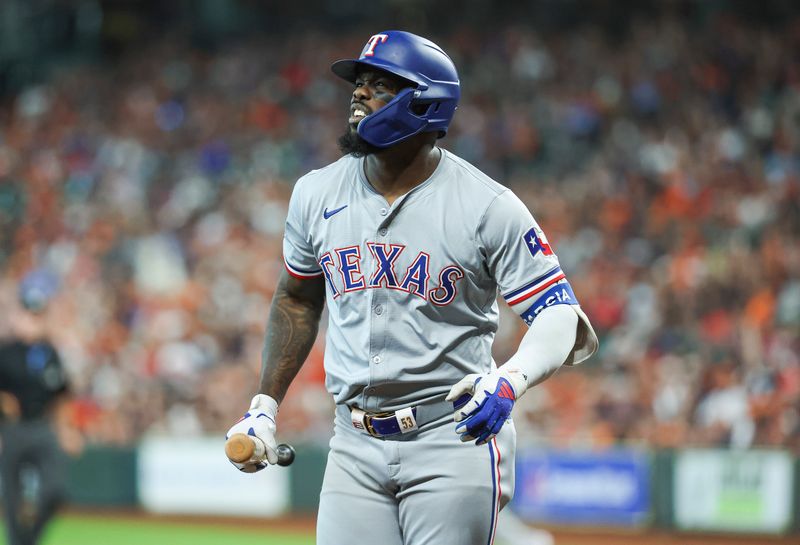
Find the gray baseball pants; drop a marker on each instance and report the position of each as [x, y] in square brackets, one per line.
[422, 488]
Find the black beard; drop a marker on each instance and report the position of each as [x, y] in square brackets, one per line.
[350, 143]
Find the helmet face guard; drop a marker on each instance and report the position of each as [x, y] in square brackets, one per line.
[427, 106]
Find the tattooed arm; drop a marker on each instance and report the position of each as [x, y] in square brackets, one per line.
[291, 330]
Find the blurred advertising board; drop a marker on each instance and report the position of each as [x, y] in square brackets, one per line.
[180, 475]
[593, 488]
[733, 490]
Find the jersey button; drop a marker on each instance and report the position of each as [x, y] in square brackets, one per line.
[379, 310]
[384, 211]
[383, 231]
[376, 359]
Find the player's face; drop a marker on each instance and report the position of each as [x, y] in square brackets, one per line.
[374, 90]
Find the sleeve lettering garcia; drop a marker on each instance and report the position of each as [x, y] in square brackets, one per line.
[412, 287]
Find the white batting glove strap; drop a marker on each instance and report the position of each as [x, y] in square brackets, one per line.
[462, 388]
[259, 422]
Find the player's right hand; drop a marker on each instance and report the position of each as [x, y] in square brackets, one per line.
[259, 422]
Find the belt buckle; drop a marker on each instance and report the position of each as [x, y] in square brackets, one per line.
[368, 426]
[368, 422]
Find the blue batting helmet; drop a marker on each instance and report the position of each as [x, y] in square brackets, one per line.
[427, 106]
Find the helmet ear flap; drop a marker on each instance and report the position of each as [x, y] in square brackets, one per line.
[421, 109]
[434, 108]
[394, 122]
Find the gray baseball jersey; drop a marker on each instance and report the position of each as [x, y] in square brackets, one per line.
[412, 287]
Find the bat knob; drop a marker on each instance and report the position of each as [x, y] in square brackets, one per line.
[285, 454]
[239, 448]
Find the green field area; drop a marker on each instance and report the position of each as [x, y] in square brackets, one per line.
[99, 529]
[79, 530]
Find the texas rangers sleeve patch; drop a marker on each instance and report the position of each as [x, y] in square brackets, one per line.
[537, 242]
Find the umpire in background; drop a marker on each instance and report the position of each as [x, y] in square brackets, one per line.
[32, 390]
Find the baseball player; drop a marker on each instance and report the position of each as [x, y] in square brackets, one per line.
[408, 245]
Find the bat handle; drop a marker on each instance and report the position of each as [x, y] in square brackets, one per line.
[242, 448]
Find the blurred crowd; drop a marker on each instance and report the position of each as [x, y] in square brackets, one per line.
[664, 165]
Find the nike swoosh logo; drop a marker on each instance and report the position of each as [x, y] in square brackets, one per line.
[326, 214]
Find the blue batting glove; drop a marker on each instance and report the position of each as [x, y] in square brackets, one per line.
[483, 402]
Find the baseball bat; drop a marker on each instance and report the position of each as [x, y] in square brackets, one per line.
[241, 448]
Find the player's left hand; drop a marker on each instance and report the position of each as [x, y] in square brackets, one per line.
[484, 401]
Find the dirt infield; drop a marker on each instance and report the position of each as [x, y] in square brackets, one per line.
[564, 536]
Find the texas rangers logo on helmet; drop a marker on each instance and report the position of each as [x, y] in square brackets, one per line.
[372, 43]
